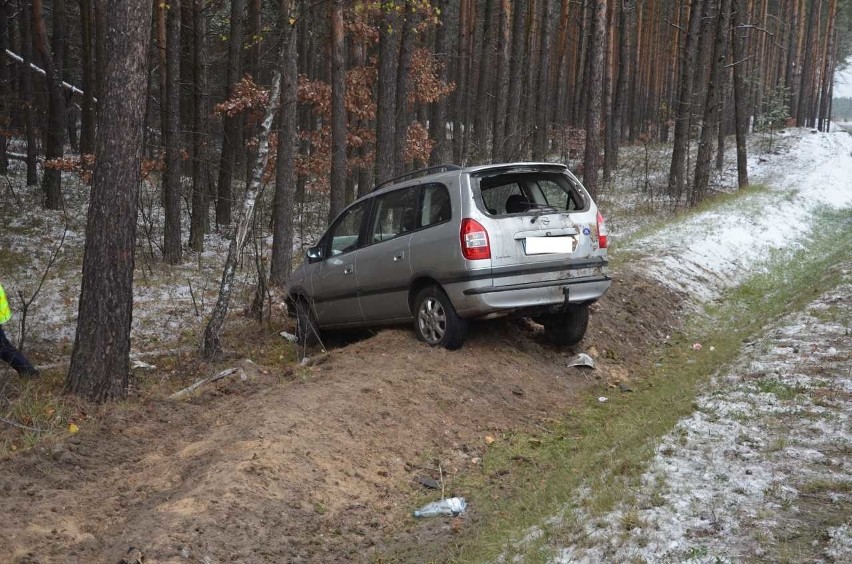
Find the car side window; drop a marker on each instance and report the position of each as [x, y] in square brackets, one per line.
[394, 215]
[344, 234]
[435, 205]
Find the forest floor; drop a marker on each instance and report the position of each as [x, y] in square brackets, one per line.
[324, 462]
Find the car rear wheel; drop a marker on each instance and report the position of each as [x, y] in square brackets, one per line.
[569, 327]
[436, 321]
[307, 330]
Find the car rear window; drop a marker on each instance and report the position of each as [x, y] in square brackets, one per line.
[529, 191]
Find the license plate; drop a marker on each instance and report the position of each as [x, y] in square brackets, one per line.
[546, 245]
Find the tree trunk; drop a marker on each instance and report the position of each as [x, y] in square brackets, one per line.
[518, 67]
[626, 16]
[232, 124]
[828, 69]
[740, 113]
[26, 95]
[462, 83]
[200, 129]
[55, 135]
[5, 87]
[807, 64]
[171, 137]
[100, 360]
[483, 96]
[337, 196]
[285, 177]
[540, 138]
[438, 123]
[386, 94]
[402, 116]
[680, 148]
[712, 105]
[212, 333]
[87, 59]
[501, 84]
[593, 113]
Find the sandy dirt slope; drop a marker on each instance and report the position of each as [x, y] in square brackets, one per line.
[308, 463]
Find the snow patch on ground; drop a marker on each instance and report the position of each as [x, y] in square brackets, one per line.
[710, 252]
[762, 463]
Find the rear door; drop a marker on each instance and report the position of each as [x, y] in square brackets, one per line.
[541, 224]
[384, 264]
[334, 280]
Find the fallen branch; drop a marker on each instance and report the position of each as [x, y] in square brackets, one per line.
[21, 425]
[208, 380]
[70, 87]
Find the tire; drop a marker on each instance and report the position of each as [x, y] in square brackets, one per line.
[307, 330]
[436, 321]
[568, 328]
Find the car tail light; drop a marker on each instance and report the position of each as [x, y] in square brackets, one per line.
[474, 240]
[602, 232]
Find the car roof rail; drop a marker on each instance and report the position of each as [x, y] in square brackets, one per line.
[417, 173]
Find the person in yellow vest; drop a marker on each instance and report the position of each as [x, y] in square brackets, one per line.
[8, 353]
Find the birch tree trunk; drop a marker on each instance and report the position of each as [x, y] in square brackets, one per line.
[212, 333]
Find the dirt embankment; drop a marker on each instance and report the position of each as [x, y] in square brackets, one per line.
[309, 463]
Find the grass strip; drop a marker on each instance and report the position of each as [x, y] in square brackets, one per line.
[603, 448]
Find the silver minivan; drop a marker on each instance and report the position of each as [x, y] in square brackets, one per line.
[443, 245]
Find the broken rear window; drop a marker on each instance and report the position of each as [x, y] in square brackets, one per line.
[529, 191]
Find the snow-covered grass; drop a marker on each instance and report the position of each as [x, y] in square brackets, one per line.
[708, 252]
[742, 262]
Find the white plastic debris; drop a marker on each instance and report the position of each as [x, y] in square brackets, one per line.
[582, 359]
[603, 399]
[289, 336]
[449, 506]
[142, 365]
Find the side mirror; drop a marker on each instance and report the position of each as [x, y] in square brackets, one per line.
[314, 254]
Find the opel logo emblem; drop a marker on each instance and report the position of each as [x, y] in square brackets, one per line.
[545, 221]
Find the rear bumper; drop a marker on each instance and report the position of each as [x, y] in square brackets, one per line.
[532, 296]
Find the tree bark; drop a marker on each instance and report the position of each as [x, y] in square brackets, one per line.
[200, 129]
[5, 87]
[438, 123]
[232, 124]
[386, 94]
[55, 135]
[87, 59]
[212, 333]
[594, 112]
[285, 176]
[518, 68]
[680, 147]
[337, 194]
[26, 94]
[712, 105]
[740, 113]
[501, 84]
[100, 360]
[171, 136]
[482, 117]
[540, 138]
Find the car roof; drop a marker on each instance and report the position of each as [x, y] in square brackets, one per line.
[454, 171]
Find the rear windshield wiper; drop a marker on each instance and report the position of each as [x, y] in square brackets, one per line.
[540, 209]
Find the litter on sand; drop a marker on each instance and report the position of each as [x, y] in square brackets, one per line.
[582, 360]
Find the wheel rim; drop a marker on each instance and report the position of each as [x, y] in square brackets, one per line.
[432, 320]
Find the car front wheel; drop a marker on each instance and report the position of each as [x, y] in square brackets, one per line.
[569, 327]
[436, 321]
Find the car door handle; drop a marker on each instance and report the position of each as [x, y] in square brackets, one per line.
[399, 256]
[347, 269]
